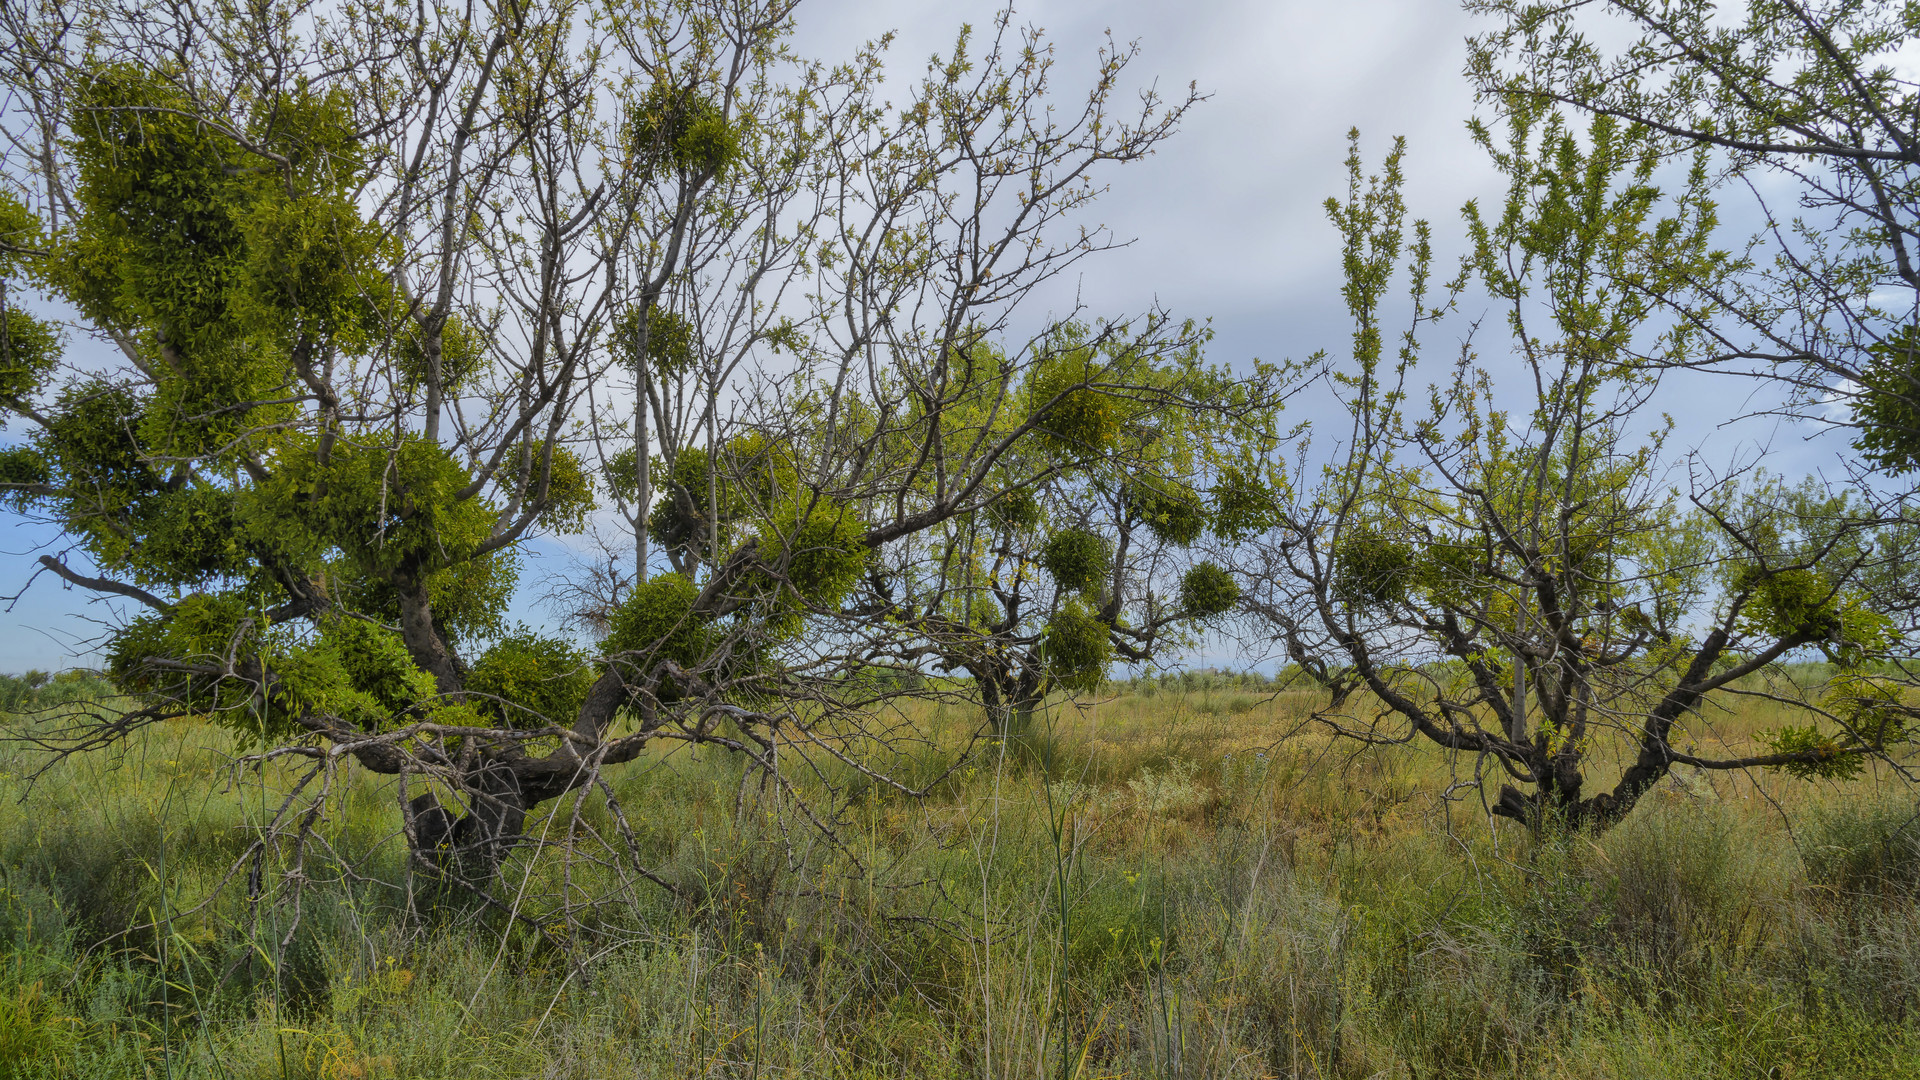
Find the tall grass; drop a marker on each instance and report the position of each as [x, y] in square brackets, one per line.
[1171, 883]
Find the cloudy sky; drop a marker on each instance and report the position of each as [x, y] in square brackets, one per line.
[1226, 220]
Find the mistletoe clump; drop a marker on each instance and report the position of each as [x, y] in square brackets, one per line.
[1014, 511]
[669, 347]
[1169, 509]
[1078, 419]
[1078, 560]
[1243, 504]
[529, 681]
[1208, 590]
[1076, 648]
[1371, 568]
[658, 621]
[825, 553]
[675, 129]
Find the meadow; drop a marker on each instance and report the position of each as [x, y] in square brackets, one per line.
[1178, 879]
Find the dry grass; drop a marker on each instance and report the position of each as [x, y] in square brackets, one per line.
[1168, 884]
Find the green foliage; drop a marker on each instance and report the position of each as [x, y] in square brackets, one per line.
[469, 599]
[621, 475]
[1371, 568]
[386, 506]
[1824, 757]
[39, 690]
[1208, 590]
[1706, 76]
[536, 680]
[355, 670]
[1609, 956]
[753, 475]
[657, 620]
[681, 518]
[1887, 410]
[1243, 504]
[673, 128]
[1873, 712]
[1014, 511]
[1169, 509]
[182, 242]
[22, 467]
[569, 491]
[1077, 648]
[29, 352]
[190, 537]
[376, 663]
[1072, 418]
[825, 549]
[204, 630]
[20, 229]
[461, 353]
[88, 451]
[1079, 561]
[671, 345]
[1872, 706]
[1788, 603]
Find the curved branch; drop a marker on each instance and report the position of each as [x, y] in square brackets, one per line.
[106, 585]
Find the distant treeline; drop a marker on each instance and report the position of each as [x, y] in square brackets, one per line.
[36, 689]
[1202, 680]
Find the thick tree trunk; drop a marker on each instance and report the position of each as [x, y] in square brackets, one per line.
[1010, 698]
[472, 844]
[423, 641]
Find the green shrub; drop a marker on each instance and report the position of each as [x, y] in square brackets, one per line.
[1872, 848]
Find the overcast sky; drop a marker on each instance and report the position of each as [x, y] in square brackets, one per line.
[1226, 220]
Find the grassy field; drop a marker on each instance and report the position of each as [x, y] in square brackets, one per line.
[1169, 882]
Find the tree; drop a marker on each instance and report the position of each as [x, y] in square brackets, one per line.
[1803, 90]
[1087, 562]
[1508, 568]
[373, 280]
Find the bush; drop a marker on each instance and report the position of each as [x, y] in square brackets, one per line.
[1865, 849]
[35, 690]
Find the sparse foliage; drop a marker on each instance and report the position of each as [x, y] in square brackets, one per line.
[1511, 572]
[1812, 92]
